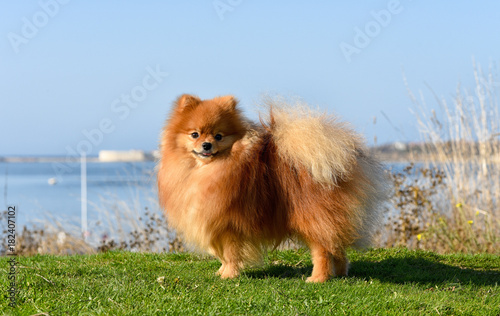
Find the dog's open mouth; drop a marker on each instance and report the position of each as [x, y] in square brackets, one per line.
[204, 154]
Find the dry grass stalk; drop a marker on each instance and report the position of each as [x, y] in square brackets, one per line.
[464, 144]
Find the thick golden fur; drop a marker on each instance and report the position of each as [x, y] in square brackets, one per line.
[301, 174]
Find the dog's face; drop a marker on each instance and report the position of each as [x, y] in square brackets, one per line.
[206, 129]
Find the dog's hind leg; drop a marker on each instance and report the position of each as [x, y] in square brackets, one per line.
[340, 263]
[322, 263]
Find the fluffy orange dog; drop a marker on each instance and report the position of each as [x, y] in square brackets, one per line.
[233, 188]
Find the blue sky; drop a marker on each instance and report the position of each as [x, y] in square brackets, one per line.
[95, 75]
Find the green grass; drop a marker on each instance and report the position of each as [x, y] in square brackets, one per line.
[382, 281]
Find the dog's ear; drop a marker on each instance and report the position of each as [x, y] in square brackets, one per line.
[228, 102]
[186, 101]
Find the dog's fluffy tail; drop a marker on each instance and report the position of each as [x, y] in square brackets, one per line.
[327, 148]
[332, 152]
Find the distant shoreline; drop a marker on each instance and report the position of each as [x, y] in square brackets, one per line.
[395, 152]
[104, 156]
[14, 159]
[144, 156]
[63, 159]
[21, 159]
[95, 159]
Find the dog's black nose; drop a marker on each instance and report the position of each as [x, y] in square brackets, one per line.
[206, 146]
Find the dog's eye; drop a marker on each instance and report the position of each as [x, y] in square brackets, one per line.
[218, 137]
[195, 135]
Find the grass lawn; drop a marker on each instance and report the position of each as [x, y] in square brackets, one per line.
[382, 281]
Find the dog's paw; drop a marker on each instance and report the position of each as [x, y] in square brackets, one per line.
[229, 273]
[221, 270]
[317, 278]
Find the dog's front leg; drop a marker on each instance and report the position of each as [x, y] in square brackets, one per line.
[230, 258]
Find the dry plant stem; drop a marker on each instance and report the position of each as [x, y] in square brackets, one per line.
[464, 143]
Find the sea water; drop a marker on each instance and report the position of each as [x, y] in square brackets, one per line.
[41, 192]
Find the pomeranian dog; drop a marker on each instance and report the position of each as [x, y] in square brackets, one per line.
[234, 188]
